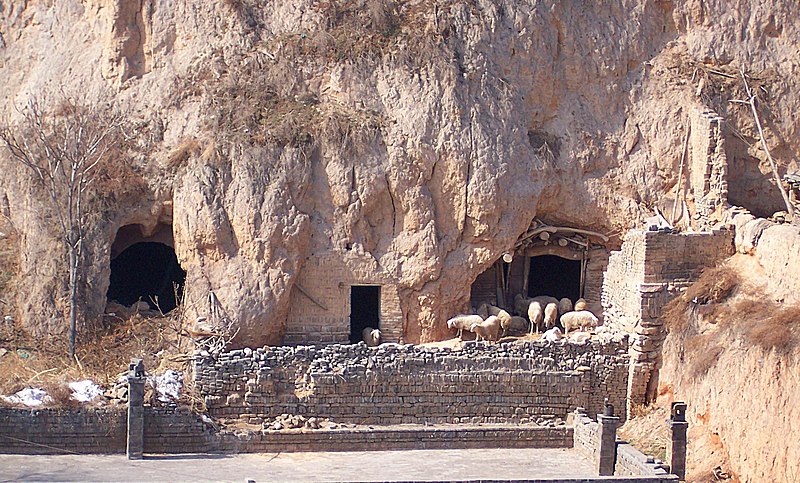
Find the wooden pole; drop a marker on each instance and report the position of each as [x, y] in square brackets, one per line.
[751, 99]
[680, 170]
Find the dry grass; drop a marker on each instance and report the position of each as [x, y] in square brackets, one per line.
[719, 309]
[102, 359]
[647, 430]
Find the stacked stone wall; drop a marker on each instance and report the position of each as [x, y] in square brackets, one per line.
[393, 384]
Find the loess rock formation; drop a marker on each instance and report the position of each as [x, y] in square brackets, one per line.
[425, 136]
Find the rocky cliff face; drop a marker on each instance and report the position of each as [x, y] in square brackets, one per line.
[423, 135]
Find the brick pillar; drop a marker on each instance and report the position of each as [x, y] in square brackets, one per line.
[607, 444]
[136, 379]
[677, 448]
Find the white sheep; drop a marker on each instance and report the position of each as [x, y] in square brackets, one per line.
[502, 315]
[550, 316]
[463, 322]
[371, 336]
[581, 319]
[489, 329]
[535, 314]
[581, 304]
[553, 335]
[564, 306]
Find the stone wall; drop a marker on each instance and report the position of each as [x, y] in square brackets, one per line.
[58, 431]
[393, 384]
[396, 438]
[650, 269]
[707, 165]
[632, 462]
[585, 436]
[99, 430]
[326, 318]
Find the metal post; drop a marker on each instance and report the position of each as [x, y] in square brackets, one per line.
[677, 449]
[136, 379]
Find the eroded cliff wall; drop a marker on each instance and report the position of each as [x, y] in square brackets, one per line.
[424, 136]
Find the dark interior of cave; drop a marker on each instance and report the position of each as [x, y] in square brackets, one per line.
[364, 310]
[147, 271]
[555, 276]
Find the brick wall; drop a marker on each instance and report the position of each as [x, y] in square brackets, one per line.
[395, 438]
[586, 433]
[632, 462]
[55, 431]
[395, 384]
[328, 279]
[707, 164]
[651, 269]
[99, 430]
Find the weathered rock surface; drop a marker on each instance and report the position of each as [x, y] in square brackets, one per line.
[426, 138]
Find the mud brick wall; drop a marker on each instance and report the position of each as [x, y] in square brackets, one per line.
[395, 384]
[326, 319]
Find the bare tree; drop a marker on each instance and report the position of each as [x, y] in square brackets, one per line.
[64, 149]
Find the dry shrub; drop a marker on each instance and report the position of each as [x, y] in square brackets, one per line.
[778, 329]
[60, 395]
[714, 286]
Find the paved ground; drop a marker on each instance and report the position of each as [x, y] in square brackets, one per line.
[420, 465]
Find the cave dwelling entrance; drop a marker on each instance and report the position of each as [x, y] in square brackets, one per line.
[546, 260]
[144, 267]
[365, 307]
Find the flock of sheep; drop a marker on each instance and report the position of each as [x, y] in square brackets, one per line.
[543, 314]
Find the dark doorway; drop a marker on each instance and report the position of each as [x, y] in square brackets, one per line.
[555, 276]
[144, 271]
[365, 302]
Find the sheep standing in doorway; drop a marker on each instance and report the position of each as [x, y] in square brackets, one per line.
[372, 337]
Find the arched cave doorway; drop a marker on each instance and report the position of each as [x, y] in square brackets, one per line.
[555, 276]
[145, 268]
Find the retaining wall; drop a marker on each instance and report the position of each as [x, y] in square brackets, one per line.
[99, 430]
[394, 384]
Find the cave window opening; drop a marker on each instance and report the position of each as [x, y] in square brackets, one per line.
[364, 310]
[147, 271]
[554, 276]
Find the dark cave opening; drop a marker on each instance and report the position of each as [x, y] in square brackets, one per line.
[364, 310]
[555, 276]
[147, 271]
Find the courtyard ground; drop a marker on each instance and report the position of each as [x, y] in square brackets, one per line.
[409, 465]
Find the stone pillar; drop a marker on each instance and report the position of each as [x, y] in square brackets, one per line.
[677, 448]
[607, 444]
[136, 379]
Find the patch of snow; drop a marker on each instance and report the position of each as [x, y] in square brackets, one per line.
[85, 391]
[30, 396]
[167, 385]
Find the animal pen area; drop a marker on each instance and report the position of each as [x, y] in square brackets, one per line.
[323, 391]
